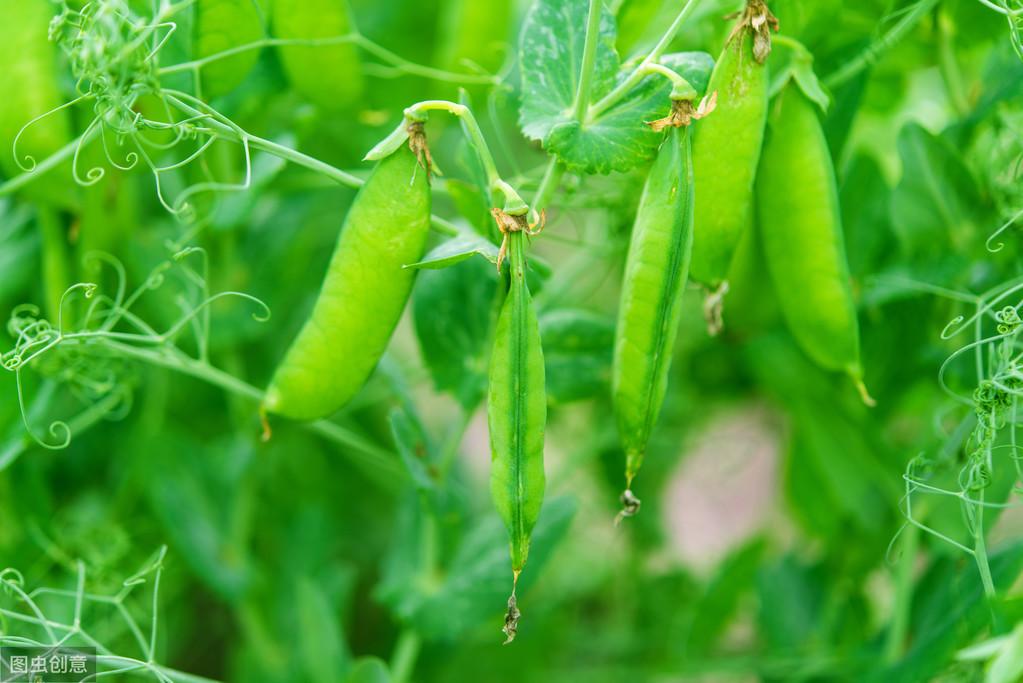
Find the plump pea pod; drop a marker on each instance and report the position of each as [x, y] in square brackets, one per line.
[656, 270]
[363, 294]
[327, 74]
[221, 25]
[726, 148]
[801, 231]
[517, 415]
[28, 81]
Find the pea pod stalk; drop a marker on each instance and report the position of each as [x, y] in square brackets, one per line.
[517, 410]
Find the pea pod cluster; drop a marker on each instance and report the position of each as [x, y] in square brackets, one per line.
[656, 270]
[726, 151]
[517, 411]
[800, 228]
[363, 294]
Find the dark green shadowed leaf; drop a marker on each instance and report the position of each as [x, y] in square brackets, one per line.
[577, 350]
[369, 670]
[453, 310]
[478, 579]
[934, 205]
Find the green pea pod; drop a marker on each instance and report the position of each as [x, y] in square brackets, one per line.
[517, 415]
[801, 231]
[363, 295]
[29, 84]
[656, 270]
[221, 25]
[328, 73]
[726, 148]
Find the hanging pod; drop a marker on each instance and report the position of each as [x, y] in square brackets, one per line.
[726, 151]
[516, 410]
[656, 271]
[363, 294]
[800, 228]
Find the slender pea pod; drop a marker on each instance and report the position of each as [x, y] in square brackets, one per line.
[517, 415]
[363, 295]
[800, 227]
[726, 151]
[328, 74]
[656, 270]
[28, 81]
[222, 25]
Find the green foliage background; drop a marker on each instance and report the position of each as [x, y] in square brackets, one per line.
[296, 559]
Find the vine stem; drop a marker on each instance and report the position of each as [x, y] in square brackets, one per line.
[872, 52]
[354, 38]
[639, 72]
[343, 177]
[980, 549]
[406, 651]
[896, 637]
[513, 203]
[377, 463]
[582, 92]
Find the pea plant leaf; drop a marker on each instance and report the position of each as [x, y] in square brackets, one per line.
[934, 204]
[452, 310]
[577, 353]
[617, 139]
[478, 577]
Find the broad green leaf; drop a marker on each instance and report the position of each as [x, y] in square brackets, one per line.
[934, 205]
[1007, 667]
[413, 447]
[948, 609]
[478, 577]
[321, 638]
[368, 670]
[868, 233]
[551, 51]
[577, 350]
[452, 309]
[551, 54]
[716, 606]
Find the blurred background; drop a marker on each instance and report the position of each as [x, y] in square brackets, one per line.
[772, 540]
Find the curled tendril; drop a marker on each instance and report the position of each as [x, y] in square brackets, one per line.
[995, 248]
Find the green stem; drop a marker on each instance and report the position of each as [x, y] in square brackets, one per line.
[228, 133]
[377, 463]
[896, 637]
[869, 56]
[549, 184]
[513, 203]
[358, 39]
[980, 548]
[949, 67]
[406, 651]
[639, 72]
[582, 92]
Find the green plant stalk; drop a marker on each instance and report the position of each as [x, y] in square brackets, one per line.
[548, 184]
[980, 549]
[639, 72]
[406, 651]
[356, 38]
[582, 92]
[234, 135]
[899, 627]
[377, 463]
[869, 56]
[513, 203]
